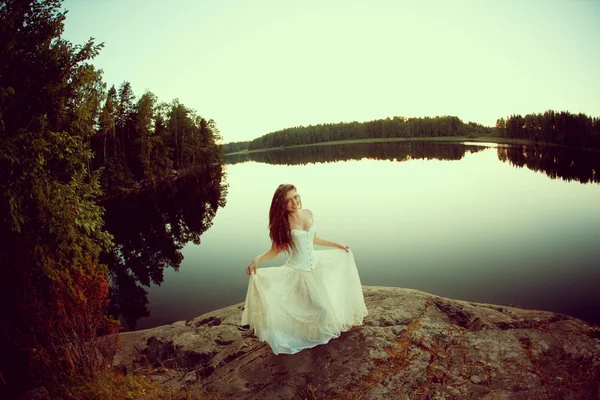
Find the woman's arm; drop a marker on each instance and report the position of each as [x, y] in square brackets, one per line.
[266, 256]
[322, 242]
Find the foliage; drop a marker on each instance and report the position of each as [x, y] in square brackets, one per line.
[53, 291]
[63, 138]
[146, 140]
[561, 128]
[235, 147]
[396, 127]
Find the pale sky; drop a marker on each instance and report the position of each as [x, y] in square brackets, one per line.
[258, 66]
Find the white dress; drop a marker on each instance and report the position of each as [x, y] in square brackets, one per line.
[308, 301]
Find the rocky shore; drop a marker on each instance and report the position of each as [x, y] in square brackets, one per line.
[413, 345]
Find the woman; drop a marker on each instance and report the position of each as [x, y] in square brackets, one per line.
[314, 296]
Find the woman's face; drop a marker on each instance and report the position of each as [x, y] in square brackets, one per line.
[292, 199]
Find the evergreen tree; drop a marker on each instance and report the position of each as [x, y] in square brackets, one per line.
[107, 128]
[561, 128]
[144, 128]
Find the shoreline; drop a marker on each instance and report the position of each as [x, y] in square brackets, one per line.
[411, 341]
[490, 139]
[368, 288]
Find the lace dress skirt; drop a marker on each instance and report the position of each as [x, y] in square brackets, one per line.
[294, 308]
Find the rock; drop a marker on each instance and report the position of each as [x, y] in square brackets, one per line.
[413, 345]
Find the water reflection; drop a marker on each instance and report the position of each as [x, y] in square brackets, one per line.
[150, 228]
[556, 162]
[477, 229]
[398, 151]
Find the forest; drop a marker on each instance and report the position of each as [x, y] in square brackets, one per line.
[146, 140]
[562, 128]
[67, 142]
[396, 127]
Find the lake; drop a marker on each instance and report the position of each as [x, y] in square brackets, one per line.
[508, 225]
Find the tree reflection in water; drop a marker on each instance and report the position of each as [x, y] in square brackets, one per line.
[399, 151]
[150, 228]
[556, 162]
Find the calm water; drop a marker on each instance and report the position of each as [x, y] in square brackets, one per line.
[504, 225]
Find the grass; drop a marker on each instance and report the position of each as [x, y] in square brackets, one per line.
[469, 138]
[112, 385]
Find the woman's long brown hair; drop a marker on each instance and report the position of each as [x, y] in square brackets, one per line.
[279, 225]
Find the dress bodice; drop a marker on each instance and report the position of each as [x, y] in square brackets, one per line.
[303, 255]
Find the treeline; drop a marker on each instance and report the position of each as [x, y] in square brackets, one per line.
[561, 128]
[61, 135]
[147, 139]
[396, 127]
[234, 147]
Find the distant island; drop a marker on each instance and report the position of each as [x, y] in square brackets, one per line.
[559, 128]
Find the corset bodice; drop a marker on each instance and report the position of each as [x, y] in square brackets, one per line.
[303, 256]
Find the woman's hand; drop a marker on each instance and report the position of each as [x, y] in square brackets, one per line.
[252, 267]
[343, 247]
[267, 255]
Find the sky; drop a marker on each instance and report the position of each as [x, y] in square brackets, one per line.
[258, 66]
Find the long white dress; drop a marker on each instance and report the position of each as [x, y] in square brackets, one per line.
[308, 301]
